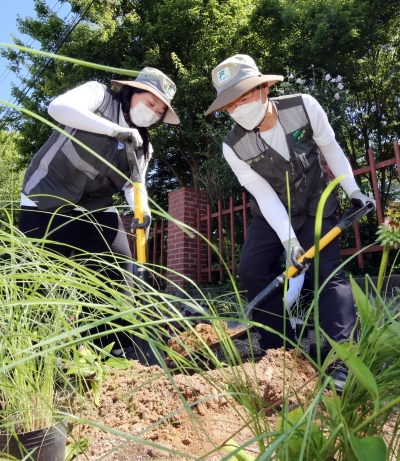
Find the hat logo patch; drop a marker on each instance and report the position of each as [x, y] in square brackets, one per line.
[223, 75]
[170, 92]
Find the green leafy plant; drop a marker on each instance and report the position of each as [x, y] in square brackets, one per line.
[306, 438]
[74, 449]
[239, 455]
[89, 367]
[388, 236]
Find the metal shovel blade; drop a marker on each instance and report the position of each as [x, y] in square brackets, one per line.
[234, 330]
[239, 328]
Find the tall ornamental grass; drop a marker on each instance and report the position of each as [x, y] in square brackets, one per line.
[51, 306]
[54, 306]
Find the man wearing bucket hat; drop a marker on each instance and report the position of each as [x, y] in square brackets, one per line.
[67, 192]
[278, 143]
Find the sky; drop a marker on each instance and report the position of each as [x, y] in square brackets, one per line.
[8, 25]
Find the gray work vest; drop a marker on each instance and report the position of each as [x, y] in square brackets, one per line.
[62, 171]
[306, 175]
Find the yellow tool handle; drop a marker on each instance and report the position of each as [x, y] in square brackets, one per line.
[138, 193]
[327, 238]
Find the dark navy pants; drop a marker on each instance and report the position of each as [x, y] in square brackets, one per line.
[258, 267]
[97, 233]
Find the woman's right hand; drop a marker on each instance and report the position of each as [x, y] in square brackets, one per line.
[123, 134]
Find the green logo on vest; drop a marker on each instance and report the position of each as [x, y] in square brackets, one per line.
[299, 135]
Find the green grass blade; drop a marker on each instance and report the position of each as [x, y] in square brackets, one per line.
[115, 70]
[359, 370]
[364, 306]
[318, 228]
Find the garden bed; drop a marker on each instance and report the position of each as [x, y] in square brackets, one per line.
[131, 403]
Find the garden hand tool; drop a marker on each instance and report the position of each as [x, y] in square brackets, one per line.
[144, 352]
[238, 328]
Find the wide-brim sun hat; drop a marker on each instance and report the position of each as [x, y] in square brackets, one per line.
[234, 77]
[157, 83]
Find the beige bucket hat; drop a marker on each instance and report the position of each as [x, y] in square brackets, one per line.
[234, 77]
[154, 81]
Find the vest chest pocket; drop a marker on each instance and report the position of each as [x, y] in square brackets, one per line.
[304, 161]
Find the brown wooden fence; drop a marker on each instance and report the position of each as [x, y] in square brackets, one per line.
[227, 230]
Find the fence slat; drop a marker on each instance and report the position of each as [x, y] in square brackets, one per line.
[375, 187]
[199, 278]
[221, 241]
[155, 234]
[209, 261]
[232, 229]
[397, 156]
[244, 205]
[162, 244]
[358, 245]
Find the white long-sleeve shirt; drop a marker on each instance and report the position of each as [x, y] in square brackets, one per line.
[75, 109]
[270, 205]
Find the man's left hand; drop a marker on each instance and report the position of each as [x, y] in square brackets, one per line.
[358, 200]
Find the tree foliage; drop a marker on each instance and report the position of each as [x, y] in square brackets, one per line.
[357, 39]
[183, 38]
[11, 177]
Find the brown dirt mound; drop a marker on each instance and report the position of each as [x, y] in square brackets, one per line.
[206, 332]
[190, 414]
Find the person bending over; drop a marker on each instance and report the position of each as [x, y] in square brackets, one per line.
[276, 140]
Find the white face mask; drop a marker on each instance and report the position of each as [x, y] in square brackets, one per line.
[250, 115]
[141, 115]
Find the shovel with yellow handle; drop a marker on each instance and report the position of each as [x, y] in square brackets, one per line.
[139, 193]
[237, 329]
[144, 352]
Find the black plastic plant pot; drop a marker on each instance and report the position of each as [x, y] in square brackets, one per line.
[45, 444]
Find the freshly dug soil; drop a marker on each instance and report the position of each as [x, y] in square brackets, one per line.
[190, 339]
[191, 414]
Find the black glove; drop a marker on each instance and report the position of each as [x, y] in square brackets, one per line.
[144, 225]
[358, 200]
[295, 252]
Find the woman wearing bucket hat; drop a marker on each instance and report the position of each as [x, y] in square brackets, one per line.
[276, 140]
[67, 193]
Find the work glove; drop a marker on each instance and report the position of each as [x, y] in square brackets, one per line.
[124, 134]
[358, 199]
[144, 225]
[295, 252]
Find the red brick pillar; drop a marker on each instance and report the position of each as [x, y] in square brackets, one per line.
[182, 249]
